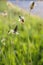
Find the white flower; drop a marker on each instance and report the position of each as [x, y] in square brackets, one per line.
[11, 31]
[17, 33]
[19, 19]
[22, 17]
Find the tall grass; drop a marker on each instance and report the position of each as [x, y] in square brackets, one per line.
[25, 48]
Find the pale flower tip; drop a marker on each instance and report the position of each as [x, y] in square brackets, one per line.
[17, 33]
[22, 17]
[19, 20]
[11, 31]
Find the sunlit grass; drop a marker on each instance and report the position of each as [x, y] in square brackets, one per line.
[25, 48]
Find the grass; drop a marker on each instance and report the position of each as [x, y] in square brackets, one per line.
[25, 48]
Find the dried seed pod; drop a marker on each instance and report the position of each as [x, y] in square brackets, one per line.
[32, 5]
[21, 19]
[15, 29]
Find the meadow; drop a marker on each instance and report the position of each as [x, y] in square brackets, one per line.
[26, 48]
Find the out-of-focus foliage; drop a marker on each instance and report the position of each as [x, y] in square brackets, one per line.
[2, 5]
[26, 48]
